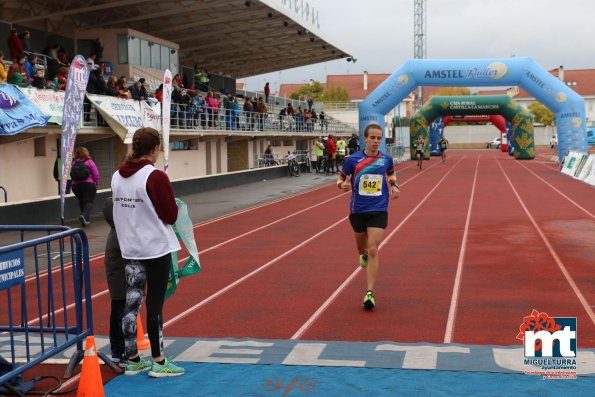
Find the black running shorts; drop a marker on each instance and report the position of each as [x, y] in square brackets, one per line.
[362, 221]
[419, 153]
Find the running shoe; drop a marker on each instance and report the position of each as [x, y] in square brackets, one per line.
[363, 259]
[169, 368]
[133, 368]
[369, 302]
[82, 220]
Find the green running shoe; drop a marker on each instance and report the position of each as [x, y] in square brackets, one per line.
[369, 302]
[169, 368]
[363, 259]
[133, 368]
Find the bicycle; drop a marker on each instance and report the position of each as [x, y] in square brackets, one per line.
[293, 165]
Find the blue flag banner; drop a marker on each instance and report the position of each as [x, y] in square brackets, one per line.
[17, 112]
[76, 87]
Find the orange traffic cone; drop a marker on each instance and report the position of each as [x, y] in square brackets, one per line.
[141, 342]
[90, 384]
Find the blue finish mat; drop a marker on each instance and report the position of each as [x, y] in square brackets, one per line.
[213, 379]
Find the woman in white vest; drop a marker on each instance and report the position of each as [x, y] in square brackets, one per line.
[144, 209]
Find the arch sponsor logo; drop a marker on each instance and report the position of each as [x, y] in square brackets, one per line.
[560, 97]
[550, 344]
[576, 122]
[403, 79]
[495, 71]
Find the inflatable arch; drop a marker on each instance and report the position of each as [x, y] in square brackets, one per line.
[498, 121]
[521, 120]
[524, 72]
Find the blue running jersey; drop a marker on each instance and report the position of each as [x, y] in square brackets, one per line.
[368, 181]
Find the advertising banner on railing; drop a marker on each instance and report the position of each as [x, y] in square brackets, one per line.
[50, 102]
[76, 86]
[125, 116]
[17, 112]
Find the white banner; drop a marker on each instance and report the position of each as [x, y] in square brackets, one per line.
[125, 116]
[167, 80]
[571, 163]
[50, 102]
[588, 172]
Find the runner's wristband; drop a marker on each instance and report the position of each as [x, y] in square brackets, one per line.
[394, 184]
[339, 185]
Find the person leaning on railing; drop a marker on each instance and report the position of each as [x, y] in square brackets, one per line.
[17, 74]
[3, 71]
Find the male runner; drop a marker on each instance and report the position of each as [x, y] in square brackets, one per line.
[419, 151]
[372, 181]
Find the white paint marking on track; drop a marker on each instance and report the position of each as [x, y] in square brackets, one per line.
[558, 191]
[557, 259]
[454, 301]
[300, 332]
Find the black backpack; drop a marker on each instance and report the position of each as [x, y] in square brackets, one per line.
[79, 171]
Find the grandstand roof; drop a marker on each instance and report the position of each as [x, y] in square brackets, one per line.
[238, 38]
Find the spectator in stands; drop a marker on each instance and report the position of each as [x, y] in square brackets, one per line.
[177, 81]
[135, 91]
[262, 114]
[110, 86]
[30, 66]
[290, 117]
[84, 188]
[143, 89]
[3, 70]
[310, 102]
[204, 80]
[323, 122]
[308, 120]
[299, 119]
[98, 49]
[185, 109]
[25, 37]
[249, 114]
[314, 119]
[282, 115]
[62, 57]
[121, 89]
[196, 76]
[212, 109]
[14, 45]
[267, 92]
[39, 79]
[17, 74]
[159, 93]
[91, 62]
[53, 52]
[62, 77]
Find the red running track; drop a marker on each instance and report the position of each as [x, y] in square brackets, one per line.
[472, 247]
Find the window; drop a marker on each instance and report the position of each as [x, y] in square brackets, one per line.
[288, 142]
[39, 147]
[122, 49]
[145, 54]
[134, 57]
[164, 56]
[156, 56]
[190, 144]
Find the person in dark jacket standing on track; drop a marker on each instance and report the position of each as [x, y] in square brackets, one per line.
[116, 284]
[144, 210]
[84, 186]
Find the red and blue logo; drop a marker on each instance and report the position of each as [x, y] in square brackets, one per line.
[548, 337]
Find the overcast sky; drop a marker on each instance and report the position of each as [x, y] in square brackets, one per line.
[379, 33]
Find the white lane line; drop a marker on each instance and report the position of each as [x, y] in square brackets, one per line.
[558, 191]
[454, 301]
[557, 259]
[340, 289]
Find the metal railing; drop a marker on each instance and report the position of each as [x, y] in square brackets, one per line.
[47, 308]
[5, 194]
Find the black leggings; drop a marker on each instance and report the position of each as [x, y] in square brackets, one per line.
[153, 274]
[85, 193]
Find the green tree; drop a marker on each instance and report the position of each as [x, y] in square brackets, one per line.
[335, 94]
[541, 114]
[313, 90]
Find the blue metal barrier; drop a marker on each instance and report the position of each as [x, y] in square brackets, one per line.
[43, 289]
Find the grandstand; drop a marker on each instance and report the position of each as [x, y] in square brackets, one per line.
[228, 40]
